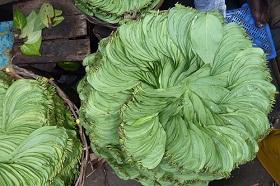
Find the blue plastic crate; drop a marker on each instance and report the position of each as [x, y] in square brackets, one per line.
[261, 37]
[6, 42]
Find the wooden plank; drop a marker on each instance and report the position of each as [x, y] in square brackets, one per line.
[67, 6]
[56, 51]
[2, 2]
[73, 26]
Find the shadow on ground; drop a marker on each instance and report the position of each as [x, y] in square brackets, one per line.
[247, 175]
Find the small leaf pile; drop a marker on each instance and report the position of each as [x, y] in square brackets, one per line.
[114, 11]
[38, 143]
[176, 98]
[31, 27]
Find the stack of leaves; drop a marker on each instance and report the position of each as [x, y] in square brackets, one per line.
[176, 98]
[31, 27]
[38, 143]
[114, 11]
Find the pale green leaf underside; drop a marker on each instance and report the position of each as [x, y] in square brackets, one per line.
[165, 106]
[206, 35]
[35, 148]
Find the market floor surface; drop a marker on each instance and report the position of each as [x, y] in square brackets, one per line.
[249, 174]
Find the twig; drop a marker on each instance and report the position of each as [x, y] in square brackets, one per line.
[19, 73]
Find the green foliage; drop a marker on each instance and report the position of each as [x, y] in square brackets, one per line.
[114, 11]
[176, 98]
[46, 14]
[69, 66]
[19, 20]
[31, 27]
[38, 143]
[32, 48]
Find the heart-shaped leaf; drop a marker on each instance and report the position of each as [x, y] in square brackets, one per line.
[36, 145]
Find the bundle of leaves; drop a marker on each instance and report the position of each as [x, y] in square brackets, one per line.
[115, 11]
[31, 27]
[176, 98]
[38, 143]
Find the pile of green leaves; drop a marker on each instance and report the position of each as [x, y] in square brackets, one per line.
[176, 98]
[38, 143]
[114, 11]
[31, 27]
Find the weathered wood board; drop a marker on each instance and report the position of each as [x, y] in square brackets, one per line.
[56, 51]
[3, 2]
[66, 6]
[69, 41]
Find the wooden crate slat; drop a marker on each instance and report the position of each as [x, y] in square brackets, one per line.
[2, 2]
[56, 51]
[72, 27]
[67, 41]
[66, 6]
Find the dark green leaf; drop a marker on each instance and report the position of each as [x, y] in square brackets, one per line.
[69, 66]
[19, 20]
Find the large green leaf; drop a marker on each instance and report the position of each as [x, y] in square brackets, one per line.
[31, 27]
[176, 98]
[206, 35]
[145, 141]
[38, 144]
